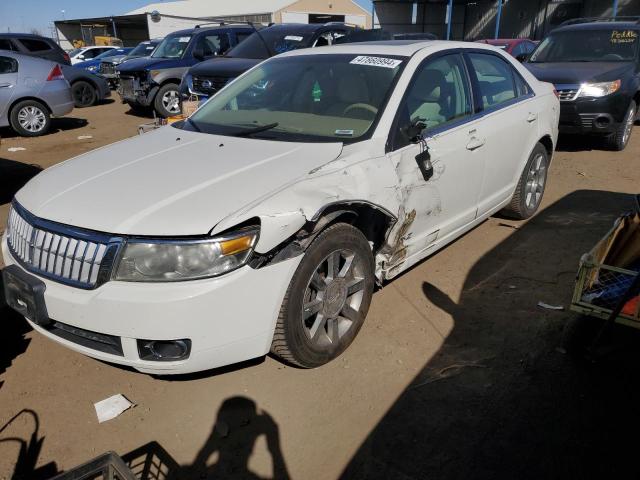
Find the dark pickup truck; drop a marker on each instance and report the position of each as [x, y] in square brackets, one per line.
[595, 67]
[153, 81]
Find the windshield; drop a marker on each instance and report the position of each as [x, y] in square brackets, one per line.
[172, 47]
[278, 41]
[109, 53]
[321, 98]
[588, 46]
[142, 50]
[75, 51]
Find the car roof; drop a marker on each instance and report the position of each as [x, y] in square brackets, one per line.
[403, 48]
[599, 26]
[25, 35]
[493, 41]
[191, 31]
[301, 27]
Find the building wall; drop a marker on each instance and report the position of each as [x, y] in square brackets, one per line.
[349, 9]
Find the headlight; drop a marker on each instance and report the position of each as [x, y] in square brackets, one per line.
[599, 89]
[171, 261]
[92, 68]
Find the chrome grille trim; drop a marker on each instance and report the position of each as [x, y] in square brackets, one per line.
[567, 93]
[69, 255]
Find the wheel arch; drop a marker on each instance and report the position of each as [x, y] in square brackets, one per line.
[547, 142]
[22, 99]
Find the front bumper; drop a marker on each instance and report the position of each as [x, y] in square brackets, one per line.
[132, 90]
[593, 116]
[228, 319]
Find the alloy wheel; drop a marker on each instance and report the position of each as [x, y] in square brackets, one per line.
[536, 179]
[32, 119]
[631, 115]
[170, 102]
[333, 298]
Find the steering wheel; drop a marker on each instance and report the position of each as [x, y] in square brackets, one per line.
[360, 106]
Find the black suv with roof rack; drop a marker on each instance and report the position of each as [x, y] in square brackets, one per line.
[594, 64]
[206, 78]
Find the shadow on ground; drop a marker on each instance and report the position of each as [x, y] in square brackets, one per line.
[59, 124]
[13, 176]
[581, 143]
[502, 398]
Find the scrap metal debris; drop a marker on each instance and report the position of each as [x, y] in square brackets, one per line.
[111, 407]
[550, 307]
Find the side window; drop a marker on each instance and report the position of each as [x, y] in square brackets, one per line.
[90, 53]
[438, 94]
[518, 49]
[241, 36]
[5, 44]
[522, 88]
[529, 47]
[34, 45]
[214, 44]
[8, 65]
[495, 78]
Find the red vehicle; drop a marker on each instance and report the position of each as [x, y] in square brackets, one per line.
[517, 47]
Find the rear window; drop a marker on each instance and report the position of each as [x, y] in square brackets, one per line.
[6, 44]
[8, 65]
[34, 45]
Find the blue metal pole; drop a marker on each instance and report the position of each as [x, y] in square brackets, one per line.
[449, 14]
[615, 8]
[498, 17]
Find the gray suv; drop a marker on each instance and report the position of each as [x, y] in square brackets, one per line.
[31, 91]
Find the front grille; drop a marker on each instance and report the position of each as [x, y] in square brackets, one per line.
[568, 94]
[208, 85]
[127, 87]
[71, 256]
[107, 68]
[587, 119]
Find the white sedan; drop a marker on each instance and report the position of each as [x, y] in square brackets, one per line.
[264, 221]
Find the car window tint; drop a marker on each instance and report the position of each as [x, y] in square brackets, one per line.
[240, 36]
[92, 52]
[522, 88]
[529, 47]
[495, 79]
[34, 45]
[439, 92]
[5, 44]
[214, 44]
[518, 49]
[8, 65]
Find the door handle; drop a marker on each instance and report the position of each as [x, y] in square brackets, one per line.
[532, 117]
[475, 143]
[5, 85]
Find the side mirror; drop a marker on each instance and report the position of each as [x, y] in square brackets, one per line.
[198, 53]
[522, 57]
[80, 57]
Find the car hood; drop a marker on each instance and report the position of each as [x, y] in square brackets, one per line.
[116, 59]
[168, 182]
[224, 66]
[149, 63]
[578, 72]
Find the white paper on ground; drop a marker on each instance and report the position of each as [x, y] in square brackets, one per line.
[84, 137]
[111, 407]
[16, 149]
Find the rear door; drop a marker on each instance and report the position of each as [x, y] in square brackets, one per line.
[8, 84]
[509, 122]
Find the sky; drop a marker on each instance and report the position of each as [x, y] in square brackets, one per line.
[26, 15]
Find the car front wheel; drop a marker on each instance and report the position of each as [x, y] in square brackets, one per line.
[619, 139]
[530, 189]
[327, 300]
[167, 101]
[30, 118]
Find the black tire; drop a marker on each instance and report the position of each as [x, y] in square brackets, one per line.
[158, 102]
[84, 94]
[523, 206]
[619, 139]
[293, 341]
[36, 108]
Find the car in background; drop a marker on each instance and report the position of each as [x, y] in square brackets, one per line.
[264, 220]
[108, 66]
[94, 64]
[516, 47]
[415, 36]
[31, 91]
[595, 67]
[34, 45]
[87, 88]
[82, 54]
[206, 78]
[154, 81]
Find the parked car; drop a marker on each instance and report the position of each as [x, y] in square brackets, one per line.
[263, 221]
[31, 91]
[82, 54]
[154, 81]
[206, 78]
[93, 64]
[34, 45]
[415, 36]
[517, 47]
[87, 88]
[595, 68]
[108, 66]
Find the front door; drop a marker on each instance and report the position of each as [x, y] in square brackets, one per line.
[8, 83]
[440, 193]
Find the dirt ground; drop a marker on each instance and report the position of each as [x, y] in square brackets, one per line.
[455, 374]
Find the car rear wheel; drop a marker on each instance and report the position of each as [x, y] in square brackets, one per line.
[528, 195]
[84, 94]
[30, 118]
[327, 300]
[167, 101]
[619, 139]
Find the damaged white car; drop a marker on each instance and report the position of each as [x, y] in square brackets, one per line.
[263, 222]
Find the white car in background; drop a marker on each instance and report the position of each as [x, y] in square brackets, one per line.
[83, 54]
[263, 222]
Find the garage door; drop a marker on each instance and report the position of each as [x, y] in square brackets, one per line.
[294, 17]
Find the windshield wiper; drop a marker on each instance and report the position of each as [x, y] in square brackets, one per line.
[251, 131]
